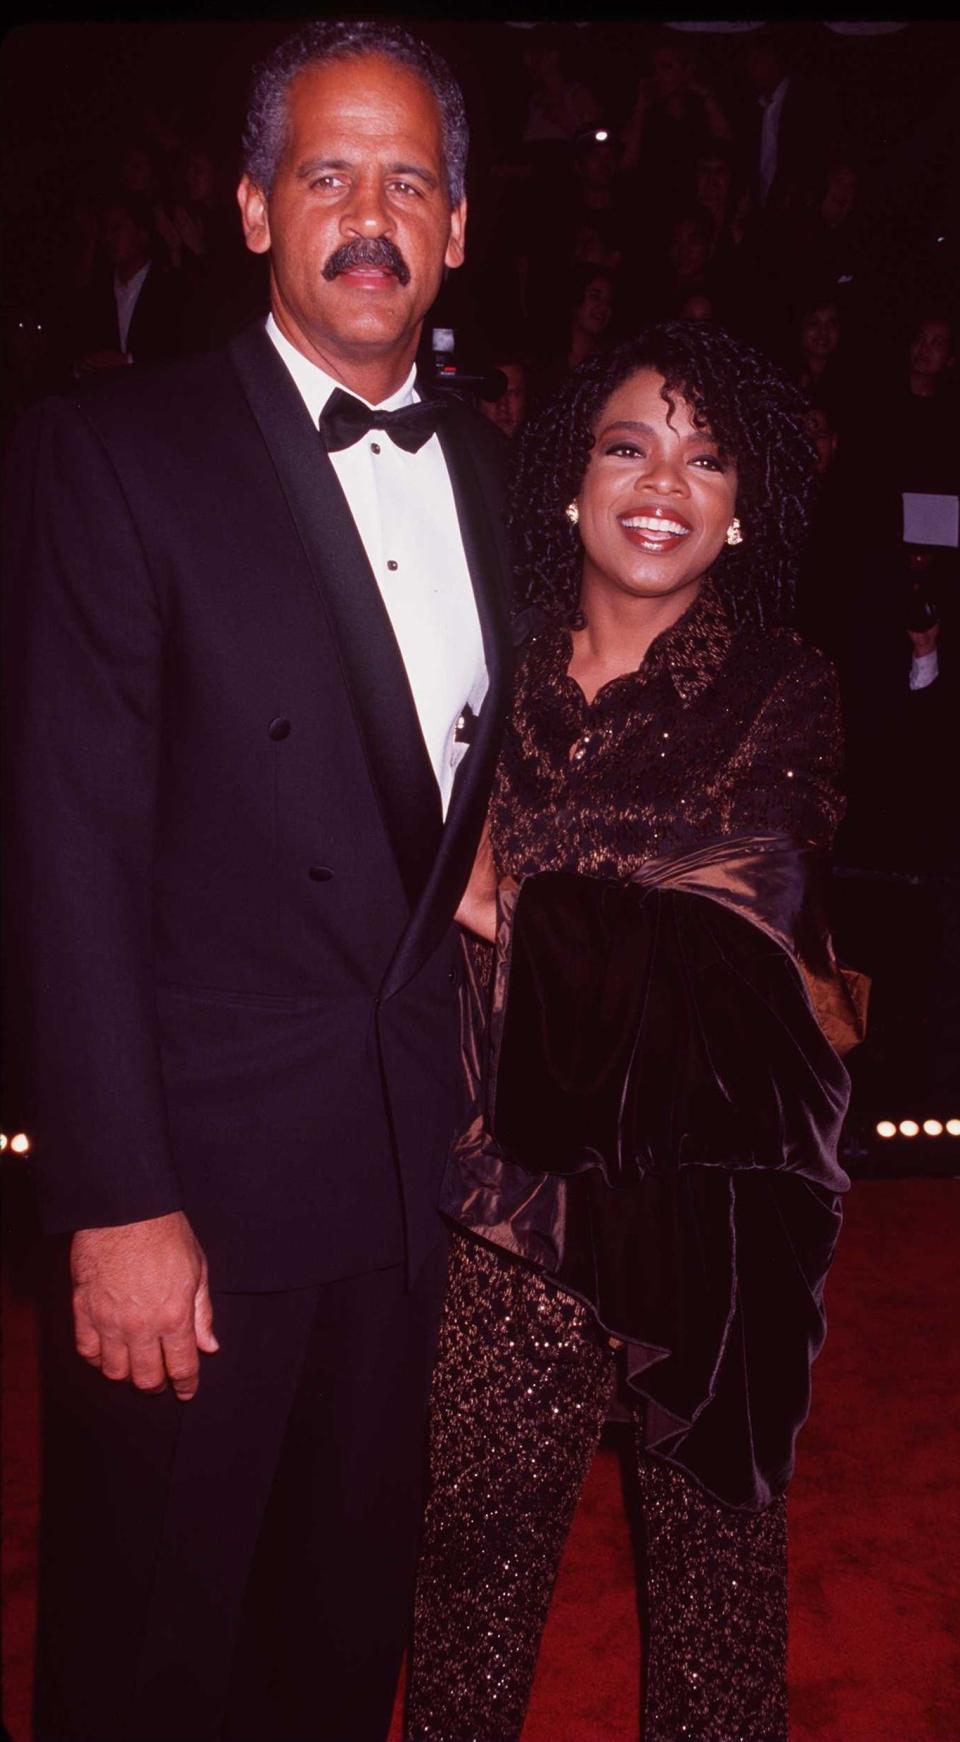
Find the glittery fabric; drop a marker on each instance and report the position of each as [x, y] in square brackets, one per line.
[720, 732]
[521, 1390]
[520, 1394]
[716, 1602]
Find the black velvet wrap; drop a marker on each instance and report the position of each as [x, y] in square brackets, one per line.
[659, 1135]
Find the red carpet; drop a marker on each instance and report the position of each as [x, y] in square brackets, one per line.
[875, 1531]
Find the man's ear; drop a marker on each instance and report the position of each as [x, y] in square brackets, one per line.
[253, 211]
[456, 246]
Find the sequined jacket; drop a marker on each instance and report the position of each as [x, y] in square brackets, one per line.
[720, 732]
[655, 1115]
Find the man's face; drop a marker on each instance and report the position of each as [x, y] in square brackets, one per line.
[820, 331]
[597, 165]
[358, 223]
[670, 71]
[688, 250]
[931, 349]
[509, 410]
[126, 244]
[763, 66]
[713, 181]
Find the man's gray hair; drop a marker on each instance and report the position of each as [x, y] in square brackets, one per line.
[264, 133]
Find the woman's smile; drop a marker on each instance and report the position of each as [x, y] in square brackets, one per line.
[656, 529]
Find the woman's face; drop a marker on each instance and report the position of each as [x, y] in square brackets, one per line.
[656, 498]
[593, 313]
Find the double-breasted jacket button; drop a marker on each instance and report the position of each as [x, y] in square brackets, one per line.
[279, 728]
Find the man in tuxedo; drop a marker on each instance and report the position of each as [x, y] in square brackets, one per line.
[259, 662]
[133, 311]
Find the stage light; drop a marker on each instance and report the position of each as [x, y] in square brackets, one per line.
[953, 1126]
[20, 1143]
[601, 136]
[3, 1141]
[909, 1128]
[886, 1128]
[933, 1127]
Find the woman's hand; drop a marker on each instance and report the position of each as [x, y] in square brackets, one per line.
[478, 905]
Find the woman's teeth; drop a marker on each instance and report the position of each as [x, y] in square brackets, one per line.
[651, 523]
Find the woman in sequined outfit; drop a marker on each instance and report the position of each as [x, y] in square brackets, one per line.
[645, 1202]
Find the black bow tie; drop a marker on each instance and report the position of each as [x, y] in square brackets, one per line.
[345, 419]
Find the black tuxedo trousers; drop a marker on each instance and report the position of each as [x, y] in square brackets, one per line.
[239, 1567]
[235, 986]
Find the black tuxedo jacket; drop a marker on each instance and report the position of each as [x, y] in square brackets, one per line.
[157, 325]
[230, 887]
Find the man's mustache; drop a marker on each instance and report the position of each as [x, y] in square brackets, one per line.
[372, 251]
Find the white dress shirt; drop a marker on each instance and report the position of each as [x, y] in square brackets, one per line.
[125, 296]
[924, 670]
[405, 514]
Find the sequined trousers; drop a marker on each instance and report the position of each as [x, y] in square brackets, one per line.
[521, 1392]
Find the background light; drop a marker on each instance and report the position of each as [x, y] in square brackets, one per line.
[933, 1127]
[3, 1141]
[20, 1143]
[886, 1128]
[909, 1128]
[953, 1126]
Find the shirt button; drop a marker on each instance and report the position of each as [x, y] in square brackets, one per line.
[278, 729]
[374, 447]
[320, 873]
[392, 565]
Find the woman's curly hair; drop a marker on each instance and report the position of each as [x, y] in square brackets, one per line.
[755, 414]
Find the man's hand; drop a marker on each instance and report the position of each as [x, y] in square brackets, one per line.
[141, 1304]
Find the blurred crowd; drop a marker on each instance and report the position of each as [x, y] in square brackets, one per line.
[621, 175]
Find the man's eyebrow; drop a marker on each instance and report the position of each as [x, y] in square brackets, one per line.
[314, 166]
[417, 169]
[318, 166]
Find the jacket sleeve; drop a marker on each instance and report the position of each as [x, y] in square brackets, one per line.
[785, 775]
[84, 649]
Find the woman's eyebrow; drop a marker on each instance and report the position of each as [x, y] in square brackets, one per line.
[696, 435]
[627, 423]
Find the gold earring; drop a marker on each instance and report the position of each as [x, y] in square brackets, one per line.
[734, 532]
[572, 513]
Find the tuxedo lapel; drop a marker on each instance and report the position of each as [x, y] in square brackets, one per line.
[484, 544]
[371, 661]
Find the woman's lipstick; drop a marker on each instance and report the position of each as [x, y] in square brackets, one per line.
[658, 530]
